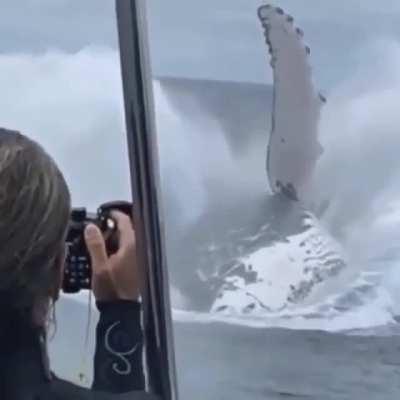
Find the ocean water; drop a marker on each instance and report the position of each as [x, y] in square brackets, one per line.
[219, 361]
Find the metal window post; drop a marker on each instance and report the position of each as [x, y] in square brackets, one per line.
[143, 156]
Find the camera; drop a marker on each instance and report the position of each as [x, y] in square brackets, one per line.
[78, 271]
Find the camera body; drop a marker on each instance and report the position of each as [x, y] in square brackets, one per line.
[78, 271]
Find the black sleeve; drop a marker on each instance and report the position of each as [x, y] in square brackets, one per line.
[118, 360]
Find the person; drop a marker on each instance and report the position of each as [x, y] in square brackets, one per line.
[35, 208]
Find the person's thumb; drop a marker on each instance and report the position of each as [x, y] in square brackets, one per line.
[96, 246]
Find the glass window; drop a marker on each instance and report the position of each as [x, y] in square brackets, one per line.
[280, 173]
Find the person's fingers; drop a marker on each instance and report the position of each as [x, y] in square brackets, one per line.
[96, 246]
[125, 230]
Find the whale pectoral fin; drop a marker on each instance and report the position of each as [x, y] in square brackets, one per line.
[293, 148]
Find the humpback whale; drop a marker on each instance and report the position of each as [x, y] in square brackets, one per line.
[263, 252]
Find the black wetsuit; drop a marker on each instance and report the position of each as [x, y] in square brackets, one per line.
[118, 364]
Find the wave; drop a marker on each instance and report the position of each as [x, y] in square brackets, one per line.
[363, 307]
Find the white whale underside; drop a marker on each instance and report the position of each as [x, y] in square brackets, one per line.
[284, 273]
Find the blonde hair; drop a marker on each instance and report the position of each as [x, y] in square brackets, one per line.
[34, 212]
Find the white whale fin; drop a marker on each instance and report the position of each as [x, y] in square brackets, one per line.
[293, 148]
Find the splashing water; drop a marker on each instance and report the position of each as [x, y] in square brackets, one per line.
[354, 194]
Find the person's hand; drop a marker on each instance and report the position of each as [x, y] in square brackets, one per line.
[114, 277]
